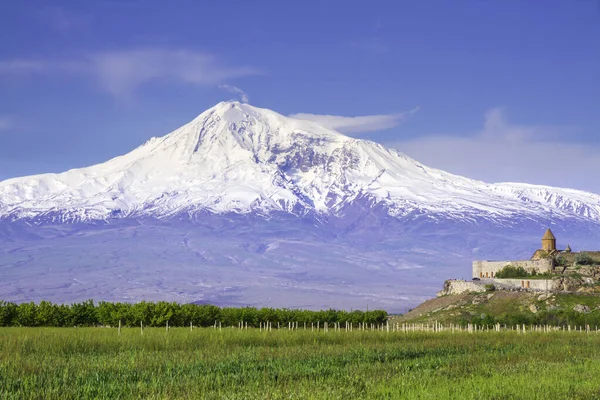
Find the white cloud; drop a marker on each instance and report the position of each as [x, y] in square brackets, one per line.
[121, 72]
[235, 90]
[505, 152]
[359, 124]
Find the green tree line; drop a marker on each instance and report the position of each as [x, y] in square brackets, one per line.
[510, 271]
[157, 314]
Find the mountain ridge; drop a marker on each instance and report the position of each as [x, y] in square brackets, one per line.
[238, 158]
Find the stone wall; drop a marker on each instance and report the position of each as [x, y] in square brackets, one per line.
[565, 283]
[457, 286]
[488, 269]
[536, 285]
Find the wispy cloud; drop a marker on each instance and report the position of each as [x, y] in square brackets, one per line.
[235, 90]
[360, 124]
[121, 72]
[505, 152]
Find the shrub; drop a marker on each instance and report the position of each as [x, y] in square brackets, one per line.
[510, 271]
[584, 258]
[489, 287]
[560, 261]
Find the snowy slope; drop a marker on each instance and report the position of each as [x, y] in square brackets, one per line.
[238, 158]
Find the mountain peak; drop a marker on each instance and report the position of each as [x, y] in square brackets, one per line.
[232, 107]
[224, 106]
[262, 126]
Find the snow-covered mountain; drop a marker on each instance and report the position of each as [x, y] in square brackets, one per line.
[238, 158]
[244, 206]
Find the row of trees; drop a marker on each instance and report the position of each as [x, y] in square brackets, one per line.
[157, 314]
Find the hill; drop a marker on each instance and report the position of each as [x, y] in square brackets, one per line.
[508, 307]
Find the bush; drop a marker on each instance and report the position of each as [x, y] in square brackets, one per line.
[489, 287]
[560, 261]
[510, 271]
[584, 258]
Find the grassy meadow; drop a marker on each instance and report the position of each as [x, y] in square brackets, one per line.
[79, 363]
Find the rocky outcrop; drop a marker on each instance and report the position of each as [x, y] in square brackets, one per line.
[570, 283]
[580, 308]
[586, 271]
[458, 286]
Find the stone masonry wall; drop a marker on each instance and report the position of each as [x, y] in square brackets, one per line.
[529, 284]
[488, 269]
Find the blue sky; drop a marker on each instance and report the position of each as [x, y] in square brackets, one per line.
[487, 89]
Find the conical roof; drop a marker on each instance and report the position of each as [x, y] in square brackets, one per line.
[549, 235]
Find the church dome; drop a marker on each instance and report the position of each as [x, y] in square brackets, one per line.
[549, 235]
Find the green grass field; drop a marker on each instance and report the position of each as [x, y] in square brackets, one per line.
[79, 363]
